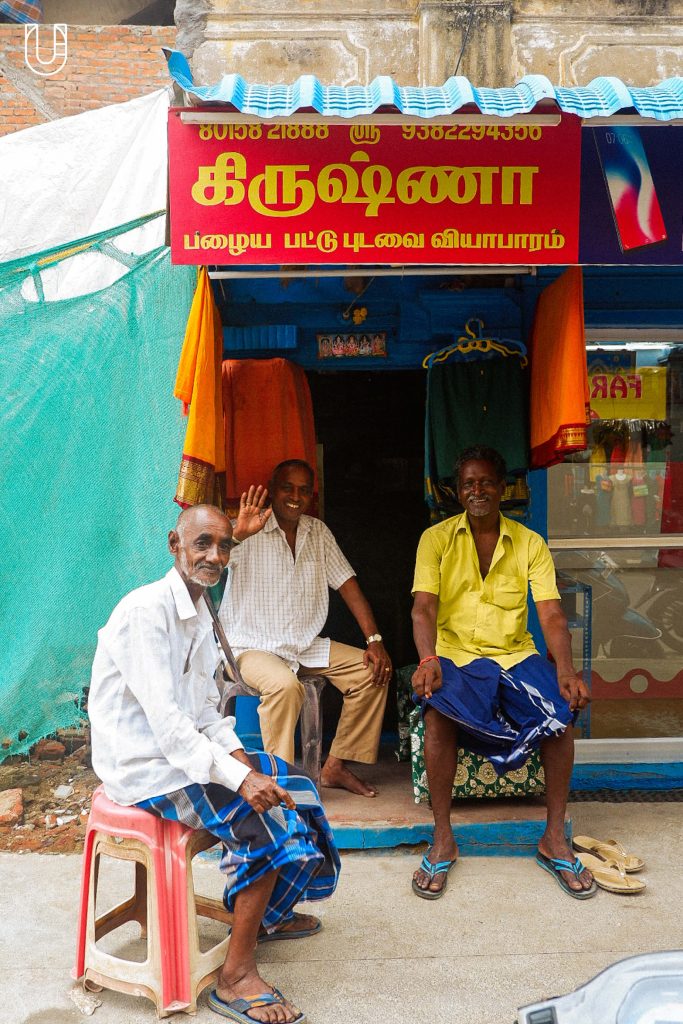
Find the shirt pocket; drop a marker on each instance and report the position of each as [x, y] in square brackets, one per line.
[509, 592]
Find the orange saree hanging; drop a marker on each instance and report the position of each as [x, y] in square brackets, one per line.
[559, 409]
[268, 418]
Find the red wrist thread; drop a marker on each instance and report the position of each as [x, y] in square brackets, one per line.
[430, 657]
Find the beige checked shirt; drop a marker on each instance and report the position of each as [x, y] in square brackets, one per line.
[278, 602]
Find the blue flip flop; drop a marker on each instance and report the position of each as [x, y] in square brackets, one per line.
[236, 1009]
[441, 867]
[555, 865]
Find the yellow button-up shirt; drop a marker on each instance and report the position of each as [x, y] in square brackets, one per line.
[484, 618]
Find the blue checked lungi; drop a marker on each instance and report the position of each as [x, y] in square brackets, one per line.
[299, 844]
[502, 714]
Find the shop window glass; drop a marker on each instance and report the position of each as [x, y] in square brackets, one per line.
[615, 522]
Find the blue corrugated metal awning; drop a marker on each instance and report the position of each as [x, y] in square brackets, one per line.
[603, 97]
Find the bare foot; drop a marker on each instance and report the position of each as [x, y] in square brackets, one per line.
[298, 923]
[560, 849]
[335, 775]
[250, 986]
[444, 849]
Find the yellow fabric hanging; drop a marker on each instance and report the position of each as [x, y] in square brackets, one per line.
[198, 386]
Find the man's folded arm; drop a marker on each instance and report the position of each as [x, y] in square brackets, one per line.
[144, 661]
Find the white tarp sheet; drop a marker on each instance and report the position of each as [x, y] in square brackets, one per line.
[77, 176]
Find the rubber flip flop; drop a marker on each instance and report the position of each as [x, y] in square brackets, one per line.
[441, 867]
[236, 1009]
[609, 849]
[610, 875]
[555, 865]
[291, 933]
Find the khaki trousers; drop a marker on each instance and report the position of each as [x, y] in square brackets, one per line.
[282, 695]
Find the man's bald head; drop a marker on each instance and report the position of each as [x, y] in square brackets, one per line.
[201, 544]
[198, 513]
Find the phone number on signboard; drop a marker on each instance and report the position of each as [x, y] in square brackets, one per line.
[371, 134]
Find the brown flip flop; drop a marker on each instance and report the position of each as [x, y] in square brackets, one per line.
[610, 875]
[609, 849]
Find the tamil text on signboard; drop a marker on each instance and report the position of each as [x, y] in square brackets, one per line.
[316, 193]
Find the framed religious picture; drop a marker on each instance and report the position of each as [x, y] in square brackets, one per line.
[352, 346]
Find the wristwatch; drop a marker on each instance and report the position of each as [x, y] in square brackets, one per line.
[376, 638]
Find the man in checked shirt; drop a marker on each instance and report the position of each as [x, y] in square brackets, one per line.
[273, 610]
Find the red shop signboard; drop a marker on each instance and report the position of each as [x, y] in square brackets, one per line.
[262, 193]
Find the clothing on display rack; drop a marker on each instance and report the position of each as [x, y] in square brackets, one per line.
[603, 499]
[477, 393]
[598, 459]
[639, 493]
[620, 482]
[621, 499]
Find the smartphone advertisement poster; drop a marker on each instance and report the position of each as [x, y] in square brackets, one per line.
[631, 196]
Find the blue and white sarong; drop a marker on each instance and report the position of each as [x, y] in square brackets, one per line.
[299, 844]
[503, 714]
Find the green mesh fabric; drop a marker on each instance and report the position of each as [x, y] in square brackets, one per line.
[91, 444]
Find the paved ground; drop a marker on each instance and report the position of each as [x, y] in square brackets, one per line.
[503, 935]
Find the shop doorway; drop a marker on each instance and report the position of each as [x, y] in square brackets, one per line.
[370, 426]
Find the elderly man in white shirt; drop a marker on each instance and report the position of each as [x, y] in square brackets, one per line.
[159, 742]
[274, 607]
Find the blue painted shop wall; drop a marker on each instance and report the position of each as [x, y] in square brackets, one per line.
[417, 314]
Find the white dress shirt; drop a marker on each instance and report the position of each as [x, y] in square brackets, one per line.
[275, 601]
[153, 702]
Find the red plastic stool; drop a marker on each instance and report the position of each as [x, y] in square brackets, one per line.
[164, 904]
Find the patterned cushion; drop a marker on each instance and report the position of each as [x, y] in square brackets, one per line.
[475, 775]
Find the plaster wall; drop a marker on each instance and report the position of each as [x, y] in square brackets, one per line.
[423, 42]
[574, 41]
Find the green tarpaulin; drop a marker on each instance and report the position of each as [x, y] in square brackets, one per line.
[91, 444]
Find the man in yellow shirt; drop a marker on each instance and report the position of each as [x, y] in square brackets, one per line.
[479, 671]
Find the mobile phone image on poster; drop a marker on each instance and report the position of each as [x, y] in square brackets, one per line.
[635, 207]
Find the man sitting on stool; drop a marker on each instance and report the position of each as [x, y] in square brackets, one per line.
[274, 607]
[159, 742]
[479, 671]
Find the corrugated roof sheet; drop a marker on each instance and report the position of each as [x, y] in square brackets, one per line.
[602, 97]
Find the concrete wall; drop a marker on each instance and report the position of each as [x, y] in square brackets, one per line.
[574, 41]
[419, 42]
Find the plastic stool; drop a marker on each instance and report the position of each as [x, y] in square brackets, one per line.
[311, 720]
[164, 904]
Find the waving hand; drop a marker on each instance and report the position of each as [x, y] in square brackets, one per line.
[253, 515]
